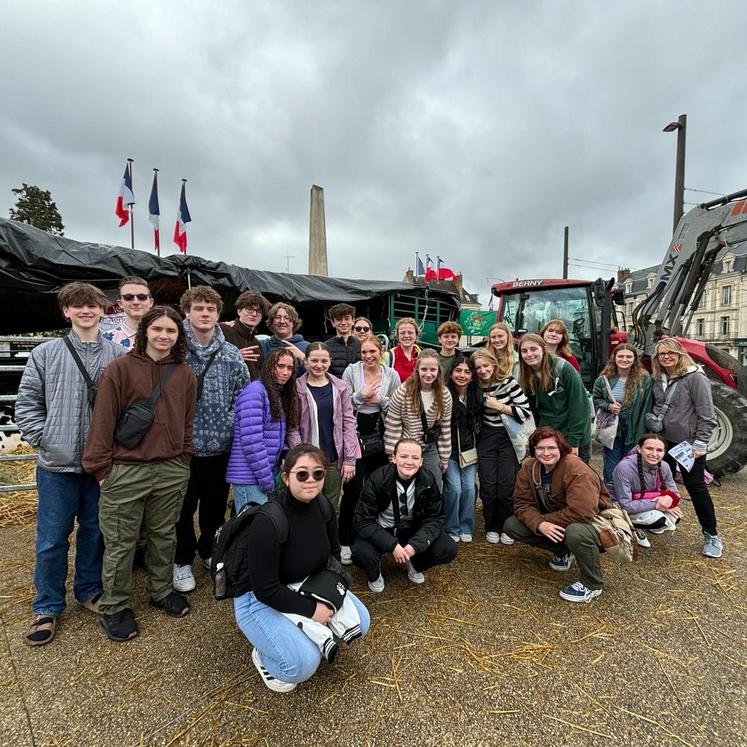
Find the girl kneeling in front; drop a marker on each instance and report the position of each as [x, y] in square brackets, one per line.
[284, 654]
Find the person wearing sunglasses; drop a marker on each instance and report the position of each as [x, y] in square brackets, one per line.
[345, 347]
[362, 328]
[682, 400]
[283, 654]
[134, 299]
[400, 513]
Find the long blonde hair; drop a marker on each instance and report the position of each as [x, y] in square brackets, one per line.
[505, 356]
[684, 362]
[528, 377]
[413, 385]
[486, 355]
[636, 377]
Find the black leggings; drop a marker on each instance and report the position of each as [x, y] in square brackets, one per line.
[695, 483]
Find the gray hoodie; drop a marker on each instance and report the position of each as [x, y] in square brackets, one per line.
[690, 416]
[626, 481]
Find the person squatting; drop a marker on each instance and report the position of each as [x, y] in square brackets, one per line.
[343, 453]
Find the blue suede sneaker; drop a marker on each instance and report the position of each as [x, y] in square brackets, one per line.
[577, 592]
[562, 562]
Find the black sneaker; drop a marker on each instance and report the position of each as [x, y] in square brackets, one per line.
[120, 626]
[174, 604]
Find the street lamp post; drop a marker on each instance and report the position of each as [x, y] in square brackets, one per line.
[679, 172]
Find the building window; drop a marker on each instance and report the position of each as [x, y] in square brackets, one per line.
[702, 300]
[726, 295]
[700, 328]
[650, 281]
[724, 326]
[728, 263]
[628, 288]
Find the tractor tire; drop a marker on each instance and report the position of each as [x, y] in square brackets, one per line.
[727, 449]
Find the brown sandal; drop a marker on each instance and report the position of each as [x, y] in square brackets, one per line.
[41, 630]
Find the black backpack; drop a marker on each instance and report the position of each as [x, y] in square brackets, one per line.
[229, 564]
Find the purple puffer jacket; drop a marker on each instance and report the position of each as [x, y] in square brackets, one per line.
[257, 439]
[345, 427]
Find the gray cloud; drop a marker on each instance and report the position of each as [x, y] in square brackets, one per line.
[467, 130]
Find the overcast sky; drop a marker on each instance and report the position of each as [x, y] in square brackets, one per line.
[470, 130]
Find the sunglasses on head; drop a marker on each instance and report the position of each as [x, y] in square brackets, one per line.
[362, 329]
[317, 475]
[133, 296]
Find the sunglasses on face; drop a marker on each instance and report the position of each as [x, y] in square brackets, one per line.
[133, 296]
[303, 475]
[362, 329]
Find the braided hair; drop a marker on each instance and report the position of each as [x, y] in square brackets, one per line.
[639, 457]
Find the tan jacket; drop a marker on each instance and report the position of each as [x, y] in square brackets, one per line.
[578, 493]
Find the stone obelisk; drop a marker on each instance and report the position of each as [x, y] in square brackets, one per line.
[317, 234]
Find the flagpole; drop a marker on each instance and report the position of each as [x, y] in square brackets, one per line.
[184, 181]
[158, 245]
[132, 208]
[416, 264]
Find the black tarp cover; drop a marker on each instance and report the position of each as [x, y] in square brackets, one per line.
[34, 265]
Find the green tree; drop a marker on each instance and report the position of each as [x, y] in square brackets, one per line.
[35, 206]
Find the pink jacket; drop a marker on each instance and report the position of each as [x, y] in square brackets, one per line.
[345, 426]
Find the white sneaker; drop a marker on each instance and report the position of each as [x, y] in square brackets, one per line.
[506, 540]
[346, 555]
[377, 586]
[206, 563]
[273, 683]
[184, 579]
[455, 537]
[464, 537]
[415, 576]
[493, 537]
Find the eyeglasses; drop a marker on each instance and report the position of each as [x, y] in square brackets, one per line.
[668, 354]
[133, 296]
[362, 329]
[303, 475]
[251, 309]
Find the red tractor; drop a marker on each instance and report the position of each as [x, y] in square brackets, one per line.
[596, 323]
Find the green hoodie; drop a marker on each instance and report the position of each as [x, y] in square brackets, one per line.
[634, 413]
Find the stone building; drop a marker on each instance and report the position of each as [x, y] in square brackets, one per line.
[721, 316]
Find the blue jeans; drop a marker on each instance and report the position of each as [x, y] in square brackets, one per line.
[63, 497]
[459, 498]
[286, 651]
[620, 448]
[243, 494]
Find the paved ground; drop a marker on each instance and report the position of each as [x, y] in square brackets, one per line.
[484, 653]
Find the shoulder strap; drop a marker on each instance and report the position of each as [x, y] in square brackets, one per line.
[201, 377]
[166, 372]
[325, 506]
[609, 390]
[559, 363]
[275, 511]
[423, 419]
[79, 363]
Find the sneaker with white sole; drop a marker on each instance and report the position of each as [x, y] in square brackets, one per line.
[493, 537]
[273, 683]
[643, 540]
[377, 586]
[465, 537]
[184, 579]
[577, 592]
[562, 562]
[455, 537]
[506, 540]
[713, 547]
[415, 576]
[346, 555]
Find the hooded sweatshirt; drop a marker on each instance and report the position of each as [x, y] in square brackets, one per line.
[690, 416]
[626, 483]
[226, 377]
[128, 380]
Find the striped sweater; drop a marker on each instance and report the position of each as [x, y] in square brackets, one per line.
[404, 422]
[507, 392]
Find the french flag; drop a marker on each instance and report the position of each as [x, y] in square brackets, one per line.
[182, 218]
[154, 213]
[125, 196]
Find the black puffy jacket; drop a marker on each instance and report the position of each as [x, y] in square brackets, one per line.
[343, 353]
[380, 490]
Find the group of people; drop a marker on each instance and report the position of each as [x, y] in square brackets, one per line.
[372, 454]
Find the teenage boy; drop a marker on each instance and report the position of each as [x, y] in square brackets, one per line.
[134, 299]
[53, 411]
[221, 375]
[143, 482]
[250, 307]
[448, 335]
[345, 348]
